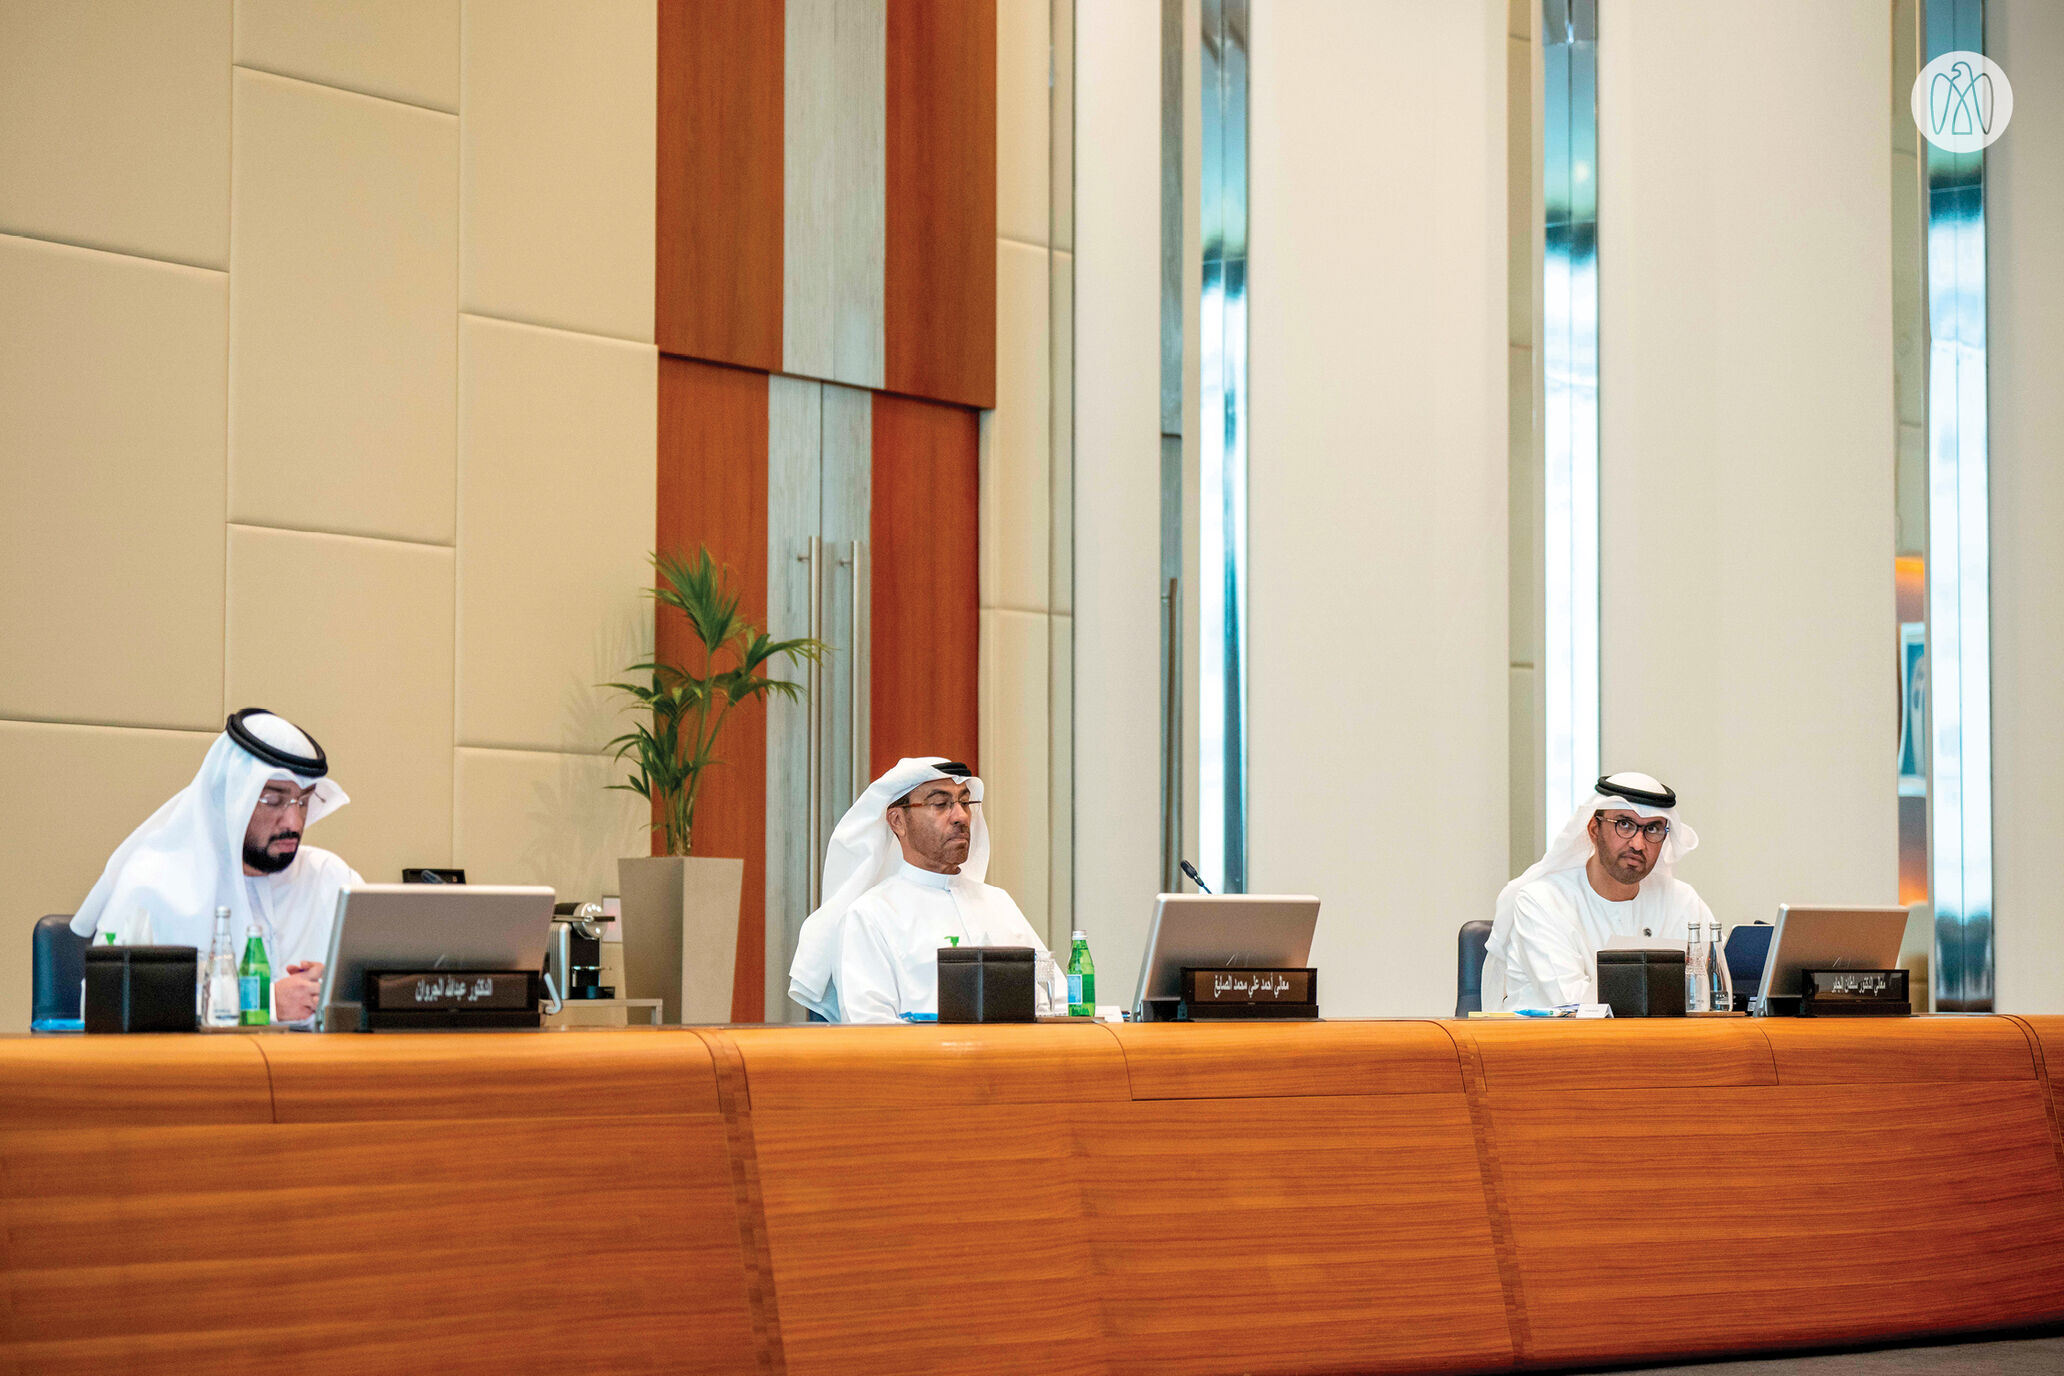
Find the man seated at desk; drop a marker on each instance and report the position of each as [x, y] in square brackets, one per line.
[232, 839]
[903, 877]
[1609, 873]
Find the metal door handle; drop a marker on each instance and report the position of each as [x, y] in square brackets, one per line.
[814, 557]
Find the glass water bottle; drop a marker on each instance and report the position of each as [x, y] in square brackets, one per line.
[1698, 995]
[1719, 982]
[222, 997]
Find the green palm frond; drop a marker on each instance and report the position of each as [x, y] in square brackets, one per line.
[682, 711]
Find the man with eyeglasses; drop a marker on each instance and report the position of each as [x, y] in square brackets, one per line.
[232, 839]
[1610, 872]
[902, 878]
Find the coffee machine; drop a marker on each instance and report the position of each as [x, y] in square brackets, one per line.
[573, 955]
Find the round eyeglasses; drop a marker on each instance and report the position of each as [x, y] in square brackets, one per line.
[1655, 831]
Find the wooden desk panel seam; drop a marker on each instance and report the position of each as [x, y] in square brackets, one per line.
[1477, 1092]
[271, 1089]
[734, 1102]
[2049, 1095]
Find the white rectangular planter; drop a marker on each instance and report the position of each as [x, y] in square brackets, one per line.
[680, 932]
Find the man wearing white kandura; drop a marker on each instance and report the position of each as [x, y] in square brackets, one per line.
[232, 839]
[903, 877]
[1610, 872]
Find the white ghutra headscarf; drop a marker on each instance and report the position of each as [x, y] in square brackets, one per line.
[1641, 794]
[187, 860]
[863, 852]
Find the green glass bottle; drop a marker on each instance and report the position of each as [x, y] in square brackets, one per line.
[254, 982]
[1081, 979]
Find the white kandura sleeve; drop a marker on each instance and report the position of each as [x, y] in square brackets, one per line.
[1057, 982]
[1549, 950]
[866, 971]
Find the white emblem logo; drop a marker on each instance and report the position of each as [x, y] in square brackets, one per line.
[1962, 102]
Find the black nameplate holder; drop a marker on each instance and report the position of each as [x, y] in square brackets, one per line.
[1217, 992]
[1853, 994]
[451, 1000]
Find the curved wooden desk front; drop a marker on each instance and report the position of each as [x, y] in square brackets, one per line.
[1376, 1196]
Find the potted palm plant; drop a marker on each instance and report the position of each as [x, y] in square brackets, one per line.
[680, 909]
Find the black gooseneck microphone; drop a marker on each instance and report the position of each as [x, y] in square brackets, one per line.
[1195, 878]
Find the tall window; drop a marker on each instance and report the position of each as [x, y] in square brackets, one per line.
[1569, 359]
[1958, 564]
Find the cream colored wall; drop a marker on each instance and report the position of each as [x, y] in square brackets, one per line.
[1026, 629]
[1747, 619]
[2025, 266]
[328, 385]
[1117, 485]
[1377, 479]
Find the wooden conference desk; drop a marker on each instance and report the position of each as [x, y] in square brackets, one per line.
[1373, 1196]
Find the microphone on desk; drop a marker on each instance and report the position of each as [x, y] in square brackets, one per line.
[1195, 878]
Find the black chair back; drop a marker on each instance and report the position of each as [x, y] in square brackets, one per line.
[59, 961]
[1469, 958]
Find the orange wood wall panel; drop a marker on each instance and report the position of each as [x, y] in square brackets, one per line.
[925, 576]
[1706, 1209]
[718, 206]
[1246, 1060]
[1320, 1233]
[922, 1193]
[713, 492]
[1658, 1053]
[939, 273]
[132, 1081]
[446, 1224]
[888, 1067]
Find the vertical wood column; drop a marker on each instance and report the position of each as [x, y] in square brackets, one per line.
[939, 308]
[719, 199]
[924, 675]
[713, 492]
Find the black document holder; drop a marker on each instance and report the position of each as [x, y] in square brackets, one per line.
[986, 984]
[1642, 984]
[141, 988]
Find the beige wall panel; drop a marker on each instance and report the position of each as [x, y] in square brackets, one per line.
[1015, 773]
[74, 793]
[1117, 498]
[1018, 461]
[1061, 138]
[2025, 258]
[532, 817]
[558, 143]
[1024, 160]
[1379, 683]
[404, 50]
[1746, 511]
[111, 472]
[352, 639]
[558, 439]
[114, 125]
[343, 333]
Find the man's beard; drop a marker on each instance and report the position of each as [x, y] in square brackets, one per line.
[264, 861]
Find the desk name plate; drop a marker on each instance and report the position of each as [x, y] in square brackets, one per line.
[1218, 992]
[451, 998]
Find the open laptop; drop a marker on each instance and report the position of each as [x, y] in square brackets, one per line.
[1826, 939]
[428, 927]
[1227, 931]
